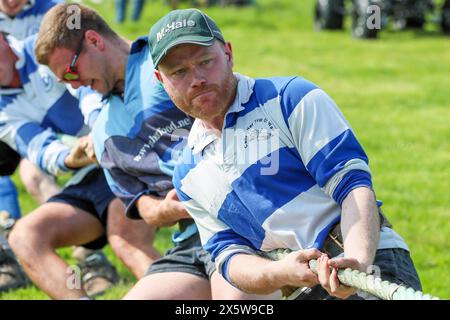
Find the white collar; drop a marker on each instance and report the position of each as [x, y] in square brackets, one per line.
[200, 136]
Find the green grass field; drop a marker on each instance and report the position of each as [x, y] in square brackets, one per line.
[394, 91]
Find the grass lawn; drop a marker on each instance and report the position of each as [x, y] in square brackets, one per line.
[394, 91]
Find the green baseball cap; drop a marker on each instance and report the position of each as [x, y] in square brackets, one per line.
[181, 26]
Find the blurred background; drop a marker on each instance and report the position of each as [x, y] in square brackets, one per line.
[394, 88]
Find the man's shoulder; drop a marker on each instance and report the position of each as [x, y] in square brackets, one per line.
[188, 161]
[40, 7]
[112, 118]
[139, 45]
[282, 85]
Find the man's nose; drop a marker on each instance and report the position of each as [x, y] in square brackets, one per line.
[198, 77]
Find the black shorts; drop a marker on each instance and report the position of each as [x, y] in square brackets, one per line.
[9, 160]
[187, 256]
[93, 195]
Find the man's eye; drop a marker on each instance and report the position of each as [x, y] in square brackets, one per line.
[205, 62]
[179, 72]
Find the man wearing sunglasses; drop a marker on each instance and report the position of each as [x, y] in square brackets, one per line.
[35, 110]
[138, 136]
[21, 19]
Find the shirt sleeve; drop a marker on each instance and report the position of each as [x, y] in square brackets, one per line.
[119, 183]
[324, 139]
[90, 103]
[35, 143]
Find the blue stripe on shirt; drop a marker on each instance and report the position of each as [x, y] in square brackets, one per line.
[321, 237]
[352, 180]
[261, 195]
[65, 108]
[222, 240]
[332, 157]
[39, 7]
[43, 148]
[25, 134]
[188, 162]
[298, 89]
[265, 90]
[30, 65]
[6, 100]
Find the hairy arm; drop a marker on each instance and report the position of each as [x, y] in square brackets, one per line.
[254, 274]
[360, 225]
[161, 212]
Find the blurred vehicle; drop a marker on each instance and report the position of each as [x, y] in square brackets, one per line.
[330, 14]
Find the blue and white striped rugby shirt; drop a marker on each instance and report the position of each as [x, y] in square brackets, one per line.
[276, 175]
[31, 117]
[28, 21]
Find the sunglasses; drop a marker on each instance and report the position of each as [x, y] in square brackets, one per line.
[71, 73]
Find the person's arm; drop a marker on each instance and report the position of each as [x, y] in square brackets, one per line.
[81, 154]
[257, 275]
[140, 202]
[360, 225]
[234, 255]
[339, 165]
[141, 193]
[161, 212]
[39, 145]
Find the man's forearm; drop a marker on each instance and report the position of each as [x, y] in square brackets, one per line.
[160, 212]
[360, 225]
[147, 207]
[254, 274]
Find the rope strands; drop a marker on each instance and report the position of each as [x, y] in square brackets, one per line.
[362, 281]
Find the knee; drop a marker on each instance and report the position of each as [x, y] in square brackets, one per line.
[27, 237]
[20, 238]
[31, 183]
[34, 181]
[38, 184]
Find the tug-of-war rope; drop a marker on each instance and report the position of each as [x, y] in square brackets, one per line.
[362, 281]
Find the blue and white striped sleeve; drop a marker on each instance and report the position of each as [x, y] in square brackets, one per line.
[325, 140]
[217, 238]
[39, 145]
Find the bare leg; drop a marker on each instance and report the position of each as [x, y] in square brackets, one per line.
[131, 240]
[36, 236]
[222, 290]
[170, 286]
[39, 185]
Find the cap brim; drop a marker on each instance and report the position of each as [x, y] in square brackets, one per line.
[202, 41]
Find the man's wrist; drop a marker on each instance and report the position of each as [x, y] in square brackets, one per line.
[62, 161]
[274, 276]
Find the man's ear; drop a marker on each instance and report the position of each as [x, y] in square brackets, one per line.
[94, 38]
[229, 53]
[158, 75]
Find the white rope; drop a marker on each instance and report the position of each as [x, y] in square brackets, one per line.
[362, 281]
